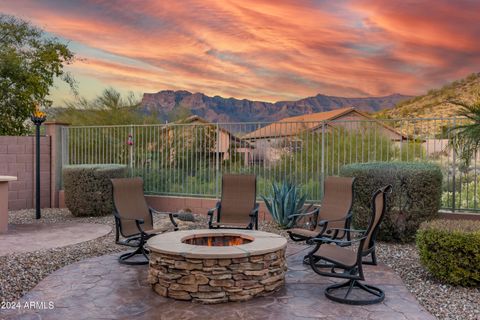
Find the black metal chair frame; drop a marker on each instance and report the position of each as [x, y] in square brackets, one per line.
[354, 274]
[325, 231]
[138, 240]
[324, 223]
[218, 207]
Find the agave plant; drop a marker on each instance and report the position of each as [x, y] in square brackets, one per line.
[285, 200]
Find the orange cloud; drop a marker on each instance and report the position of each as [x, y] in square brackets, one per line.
[265, 49]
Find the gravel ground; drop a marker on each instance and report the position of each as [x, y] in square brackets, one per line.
[19, 273]
[441, 300]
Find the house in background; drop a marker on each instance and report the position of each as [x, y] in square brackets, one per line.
[226, 143]
[278, 138]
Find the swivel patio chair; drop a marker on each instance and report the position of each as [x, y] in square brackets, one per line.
[329, 255]
[335, 212]
[134, 219]
[238, 208]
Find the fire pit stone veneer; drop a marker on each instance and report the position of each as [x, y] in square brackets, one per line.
[200, 266]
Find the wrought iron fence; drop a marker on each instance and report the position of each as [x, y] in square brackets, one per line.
[189, 159]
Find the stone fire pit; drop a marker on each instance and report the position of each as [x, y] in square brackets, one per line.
[213, 266]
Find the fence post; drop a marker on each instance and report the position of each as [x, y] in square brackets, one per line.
[130, 146]
[454, 168]
[58, 147]
[217, 155]
[322, 177]
[65, 147]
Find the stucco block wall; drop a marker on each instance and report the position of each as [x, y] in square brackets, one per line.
[17, 158]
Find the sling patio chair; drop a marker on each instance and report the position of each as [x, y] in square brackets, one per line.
[334, 255]
[335, 212]
[238, 208]
[134, 219]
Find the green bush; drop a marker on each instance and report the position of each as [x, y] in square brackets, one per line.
[450, 250]
[88, 190]
[417, 189]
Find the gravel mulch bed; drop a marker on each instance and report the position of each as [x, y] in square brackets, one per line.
[441, 300]
[19, 273]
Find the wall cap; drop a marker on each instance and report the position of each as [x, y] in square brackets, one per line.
[58, 123]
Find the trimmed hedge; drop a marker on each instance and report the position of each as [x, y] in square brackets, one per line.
[417, 189]
[450, 250]
[88, 190]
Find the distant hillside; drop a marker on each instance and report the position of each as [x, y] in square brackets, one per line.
[436, 102]
[219, 109]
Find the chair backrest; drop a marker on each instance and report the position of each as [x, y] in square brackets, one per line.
[379, 205]
[239, 193]
[337, 200]
[129, 202]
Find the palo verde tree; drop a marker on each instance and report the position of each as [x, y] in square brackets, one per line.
[29, 63]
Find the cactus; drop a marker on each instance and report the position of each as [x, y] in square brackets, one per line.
[285, 200]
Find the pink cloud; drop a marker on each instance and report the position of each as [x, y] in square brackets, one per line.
[266, 49]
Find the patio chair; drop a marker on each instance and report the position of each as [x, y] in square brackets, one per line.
[134, 218]
[335, 212]
[350, 261]
[238, 208]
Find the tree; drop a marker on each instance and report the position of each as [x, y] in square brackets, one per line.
[29, 63]
[109, 108]
[466, 137]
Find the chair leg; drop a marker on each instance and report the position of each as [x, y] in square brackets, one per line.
[124, 257]
[306, 259]
[377, 294]
[374, 260]
[140, 250]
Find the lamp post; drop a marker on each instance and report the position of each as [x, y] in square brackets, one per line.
[38, 117]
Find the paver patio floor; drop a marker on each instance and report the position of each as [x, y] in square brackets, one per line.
[41, 236]
[101, 288]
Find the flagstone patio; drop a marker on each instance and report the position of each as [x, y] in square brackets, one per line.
[101, 288]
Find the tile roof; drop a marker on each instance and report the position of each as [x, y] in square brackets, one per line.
[294, 125]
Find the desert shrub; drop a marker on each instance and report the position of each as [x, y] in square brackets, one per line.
[88, 190]
[415, 198]
[450, 250]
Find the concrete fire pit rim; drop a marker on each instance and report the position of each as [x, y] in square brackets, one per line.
[171, 243]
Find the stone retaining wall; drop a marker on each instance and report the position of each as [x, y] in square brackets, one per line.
[217, 280]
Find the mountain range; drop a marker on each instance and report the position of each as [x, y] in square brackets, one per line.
[218, 109]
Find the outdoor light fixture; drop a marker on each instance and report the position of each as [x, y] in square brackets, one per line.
[38, 117]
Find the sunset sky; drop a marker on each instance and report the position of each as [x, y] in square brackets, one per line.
[262, 49]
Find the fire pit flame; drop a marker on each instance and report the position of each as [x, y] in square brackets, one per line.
[217, 241]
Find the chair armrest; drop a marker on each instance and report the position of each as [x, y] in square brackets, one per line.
[117, 216]
[349, 230]
[171, 215]
[323, 240]
[316, 210]
[325, 222]
[211, 211]
[138, 222]
[324, 225]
